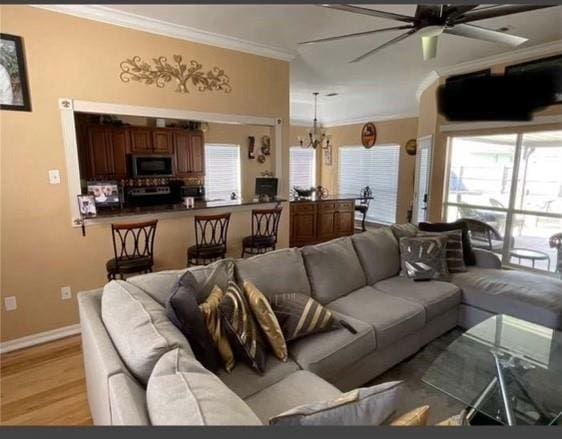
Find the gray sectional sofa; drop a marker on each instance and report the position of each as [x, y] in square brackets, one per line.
[356, 277]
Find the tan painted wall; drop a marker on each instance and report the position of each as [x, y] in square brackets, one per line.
[79, 59]
[430, 122]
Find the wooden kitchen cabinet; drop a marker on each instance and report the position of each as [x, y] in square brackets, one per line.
[107, 152]
[141, 140]
[189, 152]
[162, 142]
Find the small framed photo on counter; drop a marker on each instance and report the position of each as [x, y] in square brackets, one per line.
[87, 206]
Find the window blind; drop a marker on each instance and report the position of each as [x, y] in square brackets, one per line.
[302, 167]
[222, 171]
[377, 168]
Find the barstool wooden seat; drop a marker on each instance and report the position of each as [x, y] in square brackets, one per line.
[265, 224]
[210, 239]
[133, 248]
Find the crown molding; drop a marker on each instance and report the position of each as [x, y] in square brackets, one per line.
[129, 20]
[512, 56]
[359, 120]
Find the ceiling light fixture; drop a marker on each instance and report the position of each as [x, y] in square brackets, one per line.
[316, 136]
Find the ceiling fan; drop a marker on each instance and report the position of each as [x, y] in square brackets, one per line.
[430, 21]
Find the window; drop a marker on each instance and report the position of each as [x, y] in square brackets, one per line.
[377, 168]
[222, 171]
[513, 183]
[302, 167]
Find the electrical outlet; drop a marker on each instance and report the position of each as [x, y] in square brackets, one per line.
[65, 293]
[54, 176]
[10, 303]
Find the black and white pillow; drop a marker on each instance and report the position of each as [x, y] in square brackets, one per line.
[455, 256]
[424, 257]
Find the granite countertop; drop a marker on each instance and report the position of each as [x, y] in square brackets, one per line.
[334, 197]
[199, 205]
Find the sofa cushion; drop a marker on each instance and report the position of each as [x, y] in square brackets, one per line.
[160, 285]
[333, 268]
[521, 294]
[392, 317]
[378, 252]
[330, 354]
[435, 296]
[271, 271]
[181, 391]
[244, 381]
[299, 388]
[363, 406]
[138, 327]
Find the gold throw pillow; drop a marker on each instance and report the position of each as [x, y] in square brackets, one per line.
[267, 320]
[415, 418]
[211, 316]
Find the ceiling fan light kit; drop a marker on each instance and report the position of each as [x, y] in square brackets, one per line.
[430, 21]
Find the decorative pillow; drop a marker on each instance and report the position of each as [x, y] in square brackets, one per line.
[300, 315]
[469, 257]
[219, 273]
[414, 418]
[242, 329]
[424, 257]
[405, 230]
[364, 406]
[455, 421]
[266, 319]
[211, 316]
[184, 313]
[455, 257]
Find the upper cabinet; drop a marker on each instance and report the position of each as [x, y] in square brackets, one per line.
[190, 157]
[107, 152]
[141, 140]
[162, 141]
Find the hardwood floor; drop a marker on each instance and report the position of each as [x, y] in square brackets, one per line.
[44, 385]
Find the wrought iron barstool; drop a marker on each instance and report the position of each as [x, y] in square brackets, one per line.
[133, 248]
[210, 239]
[365, 199]
[265, 224]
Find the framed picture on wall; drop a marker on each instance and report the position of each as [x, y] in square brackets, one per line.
[14, 90]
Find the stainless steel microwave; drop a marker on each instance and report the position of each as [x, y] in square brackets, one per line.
[152, 165]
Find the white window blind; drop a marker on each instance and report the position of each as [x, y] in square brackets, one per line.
[222, 171]
[377, 168]
[302, 167]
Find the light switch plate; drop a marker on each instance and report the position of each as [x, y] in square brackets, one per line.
[65, 293]
[10, 303]
[54, 176]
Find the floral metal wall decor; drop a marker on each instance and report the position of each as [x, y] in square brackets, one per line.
[135, 69]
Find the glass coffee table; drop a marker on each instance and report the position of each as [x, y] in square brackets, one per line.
[506, 370]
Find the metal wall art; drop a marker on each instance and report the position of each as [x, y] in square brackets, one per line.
[135, 69]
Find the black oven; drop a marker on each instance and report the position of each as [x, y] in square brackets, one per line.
[152, 165]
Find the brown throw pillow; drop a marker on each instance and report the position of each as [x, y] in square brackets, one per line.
[300, 315]
[212, 318]
[266, 319]
[242, 329]
[414, 418]
[424, 257]
[455, 258]
[469, 257]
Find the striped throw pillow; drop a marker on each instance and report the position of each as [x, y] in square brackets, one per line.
[300, 315]
[454, 249]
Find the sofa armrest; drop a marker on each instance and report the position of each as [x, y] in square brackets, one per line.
[486, 259]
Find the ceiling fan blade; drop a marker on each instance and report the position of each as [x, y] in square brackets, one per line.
[497, 11]
[454, 11]
[357, 34]
[371, 12]
[480, 33]
[429, 47]
[388, 43]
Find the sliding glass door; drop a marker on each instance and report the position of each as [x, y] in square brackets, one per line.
[512, 183]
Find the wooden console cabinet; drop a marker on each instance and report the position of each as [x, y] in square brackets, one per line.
[321, 220]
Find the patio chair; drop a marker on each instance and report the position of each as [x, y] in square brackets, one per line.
[484, 236]
[555, 241]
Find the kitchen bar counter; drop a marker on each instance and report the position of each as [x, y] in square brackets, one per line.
[318, 219]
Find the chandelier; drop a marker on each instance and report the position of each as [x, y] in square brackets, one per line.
[316, 136]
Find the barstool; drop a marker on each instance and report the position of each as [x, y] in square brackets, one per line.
[363, 206]
[210, 239]
[265, 223]
[133, 248]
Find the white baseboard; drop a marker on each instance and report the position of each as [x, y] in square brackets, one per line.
[42, 337]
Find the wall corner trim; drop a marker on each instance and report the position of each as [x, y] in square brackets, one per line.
[129, 20]
[39, 338]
